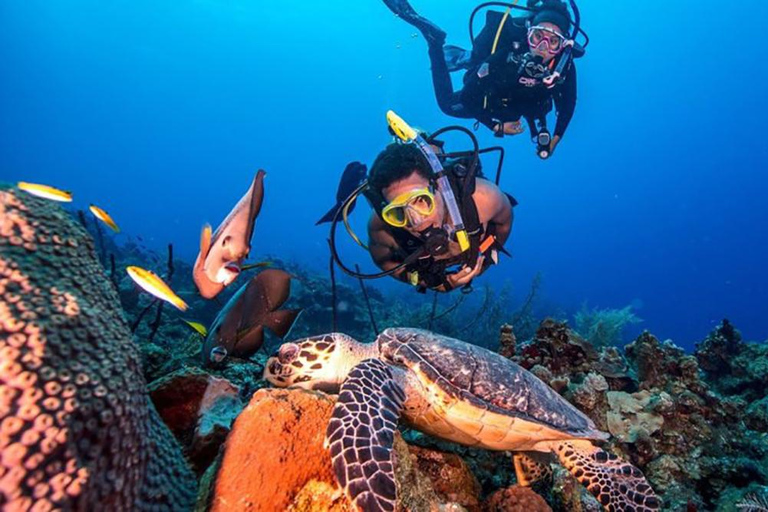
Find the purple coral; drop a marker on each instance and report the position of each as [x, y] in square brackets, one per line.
[76, 428]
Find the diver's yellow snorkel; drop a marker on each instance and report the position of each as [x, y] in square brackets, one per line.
[407, 134]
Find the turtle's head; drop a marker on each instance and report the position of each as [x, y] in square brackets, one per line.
[319, 362]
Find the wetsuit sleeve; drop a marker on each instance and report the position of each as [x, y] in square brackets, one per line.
[565, 100]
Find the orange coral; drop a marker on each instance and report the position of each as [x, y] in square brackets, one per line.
[292, 425]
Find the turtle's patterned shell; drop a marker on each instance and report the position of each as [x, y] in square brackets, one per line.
[484, 378]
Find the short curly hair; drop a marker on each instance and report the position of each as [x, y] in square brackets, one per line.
[397, 162]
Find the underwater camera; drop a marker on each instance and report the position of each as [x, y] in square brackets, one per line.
[543, 139]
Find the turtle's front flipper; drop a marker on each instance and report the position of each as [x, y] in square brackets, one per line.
[617, 484]
[361, 433]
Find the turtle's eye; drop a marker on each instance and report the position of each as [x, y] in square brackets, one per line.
[288, 353]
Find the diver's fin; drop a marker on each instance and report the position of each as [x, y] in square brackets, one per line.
[281, 321]
[431, 32]
[328, 217]
[330, 214]
[456, 58]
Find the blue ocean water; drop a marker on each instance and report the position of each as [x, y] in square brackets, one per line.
[161, 112]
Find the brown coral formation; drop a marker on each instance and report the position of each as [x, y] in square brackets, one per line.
[451, 478]
[515, 499]
[507, 341]
[557, 348]
[76, 428]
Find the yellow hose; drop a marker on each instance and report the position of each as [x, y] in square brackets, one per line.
[496, 40]
[501, 27]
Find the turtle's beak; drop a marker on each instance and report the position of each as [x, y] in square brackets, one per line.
[273, 373]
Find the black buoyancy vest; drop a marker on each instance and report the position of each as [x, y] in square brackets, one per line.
[494, 84]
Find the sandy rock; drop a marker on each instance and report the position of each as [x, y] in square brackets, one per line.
[629, 416]
[318, 496]
[199, 409]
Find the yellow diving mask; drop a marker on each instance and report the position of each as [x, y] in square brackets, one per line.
[421, 201]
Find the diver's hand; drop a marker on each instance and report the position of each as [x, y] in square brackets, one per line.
[466, 274]
[510, 128]
[553, 144]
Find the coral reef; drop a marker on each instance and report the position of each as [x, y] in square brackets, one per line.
[76, 429]
[451, 477]
[694, 423]
[696, 433]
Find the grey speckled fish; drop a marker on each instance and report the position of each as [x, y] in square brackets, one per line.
[238, 329]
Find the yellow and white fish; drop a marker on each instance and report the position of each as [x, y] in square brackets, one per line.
[45, 191]
[152, 284]
[104, 217]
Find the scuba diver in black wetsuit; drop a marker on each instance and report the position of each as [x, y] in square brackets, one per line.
[517, 69]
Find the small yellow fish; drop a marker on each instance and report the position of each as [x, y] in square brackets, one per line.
[152, 284]
[104, 217]
[45, 191]
[198, 327]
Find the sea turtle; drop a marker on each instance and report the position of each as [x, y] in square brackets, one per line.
[452, 390]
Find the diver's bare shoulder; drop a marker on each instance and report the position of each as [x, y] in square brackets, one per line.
[492, 204]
